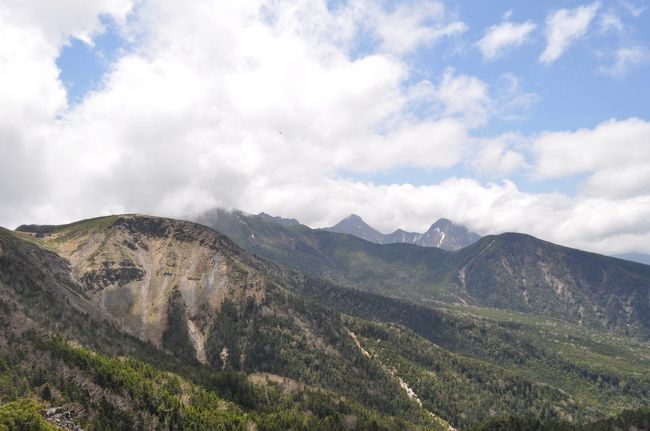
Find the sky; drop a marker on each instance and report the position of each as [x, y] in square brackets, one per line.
[503, 115]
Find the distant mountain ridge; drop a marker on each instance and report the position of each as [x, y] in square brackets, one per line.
[443, 234]
[509, 271]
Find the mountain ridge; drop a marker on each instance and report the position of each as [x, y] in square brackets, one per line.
[443, 234]
[521, 273]
[398, 362]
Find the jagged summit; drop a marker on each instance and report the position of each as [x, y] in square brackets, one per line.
[354, 225]
[443, 234]
[447, 235]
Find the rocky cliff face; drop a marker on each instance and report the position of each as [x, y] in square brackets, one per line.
[186, 290]
[190, 291]
[133, 266]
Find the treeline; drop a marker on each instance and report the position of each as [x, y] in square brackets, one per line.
[293, 337]
[125, 394]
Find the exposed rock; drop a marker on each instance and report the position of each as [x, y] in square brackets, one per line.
[62, 418]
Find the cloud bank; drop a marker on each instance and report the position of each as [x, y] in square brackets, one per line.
[272, 106]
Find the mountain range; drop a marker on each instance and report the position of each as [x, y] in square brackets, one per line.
[509, 271]
[442, 234]
[256, 322]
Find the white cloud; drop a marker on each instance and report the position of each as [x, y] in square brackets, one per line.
[497, 157]
[625, 58]
[470, 99]
[615, 156]
[464, 96]
[215, 100]
[56, 21]
[220, 104]
[411, 25]
[31, 94]
[610, 144]
[564, 27]
[590, 223]
[610, 21]
[619, 183]
[502, 36]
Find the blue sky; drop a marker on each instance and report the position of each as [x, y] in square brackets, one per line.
[83, 65]
[573, 92]
[502, 115]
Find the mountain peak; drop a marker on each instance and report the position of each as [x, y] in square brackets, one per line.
[443, 222]
[444, 233]
[354, 225]
[354, 217]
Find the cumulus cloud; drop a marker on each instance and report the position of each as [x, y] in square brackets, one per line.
[56, 21]
[464, 96]
[502, 36]
[31, 94]
[615, 157]
[410, 25]
[215, 99]
[268, 106]
[614, 143]
[619, 183]
[498, 157]
[564, 27]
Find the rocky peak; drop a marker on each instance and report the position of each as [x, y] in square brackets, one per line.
[443, 234]
[447, 235]
[354, 225]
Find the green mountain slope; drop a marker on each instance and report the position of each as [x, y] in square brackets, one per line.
[520, 272]
[98, 313]
[600, 373]
[509, 271]
[257, 326]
